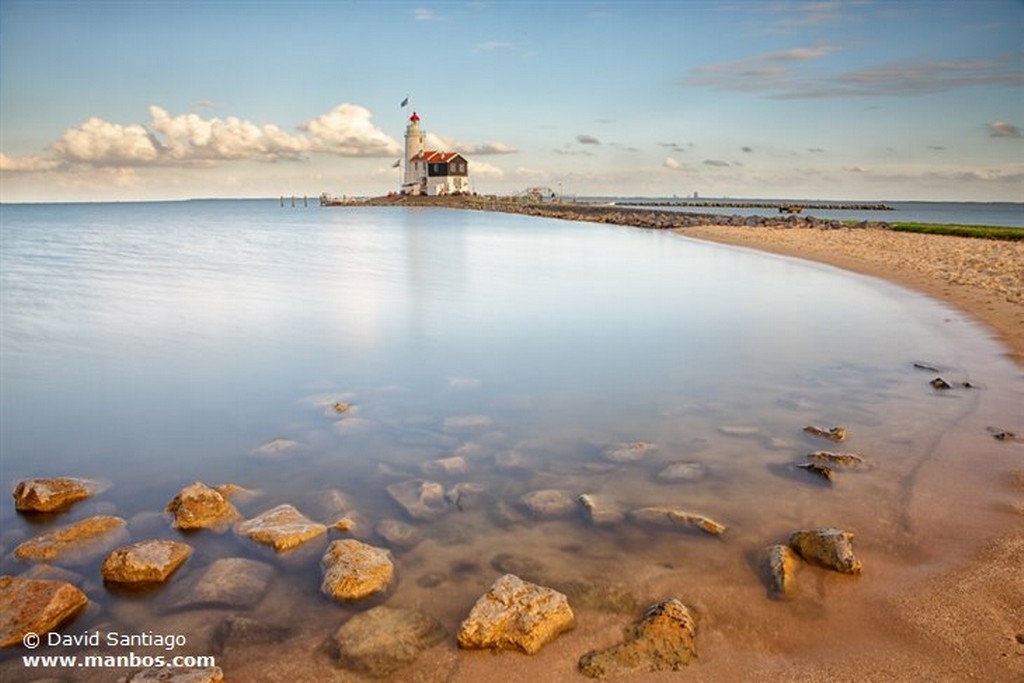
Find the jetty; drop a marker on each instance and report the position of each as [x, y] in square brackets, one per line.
[615, 213]
[784, 207]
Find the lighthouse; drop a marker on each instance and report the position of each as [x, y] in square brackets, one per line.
[430, 172]
[413, 146]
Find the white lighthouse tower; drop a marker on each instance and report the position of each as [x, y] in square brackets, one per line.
[413, 147]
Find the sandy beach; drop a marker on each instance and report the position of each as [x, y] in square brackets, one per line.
[984, 278]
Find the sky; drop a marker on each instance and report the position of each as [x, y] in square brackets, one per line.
[859, 100]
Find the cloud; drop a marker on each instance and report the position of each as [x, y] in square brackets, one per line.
[482, 169]
[748, 150]
[569, 150]
[1002, 129]
[423, 14]
[784, 75]
[492, 45]
[349, 131]
[671, 164]
[189, 137]
[856, 169]
[440, 142]
[815, 150]
[103, 143]
[27, 164]
[715, 162]
[937, 148]
[584, 139]
[533, 173]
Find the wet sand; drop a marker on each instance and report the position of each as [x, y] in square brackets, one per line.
[984, 278]
[964, 624]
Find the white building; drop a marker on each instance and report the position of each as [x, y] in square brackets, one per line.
[430, 172]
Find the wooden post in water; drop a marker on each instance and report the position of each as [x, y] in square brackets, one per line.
[282, 201]
[305, 200]
[293, 201]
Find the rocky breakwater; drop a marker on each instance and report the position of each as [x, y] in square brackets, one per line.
[654, 219]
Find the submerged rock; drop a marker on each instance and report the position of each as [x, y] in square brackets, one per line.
[682, 471]
[466, 495]
[601, 509]
[449, 466]
[516, 615]
[282, 528]
[940, 384]
[234, 582]
[464, 423]
[781, 564]
[398, 533]
[845, 460]
[353, 570]
[179, 674]
[629, 452]
[35, 606]
[830, 548]
[239, 631]
[77, 542]
[275, 449]
[51, 495]
[382, 640]
[823, 471]
[662, 641]
[145, 561]
[198, 506]
[548, 503]
[833, 433]
[422, 500]
[672, 517]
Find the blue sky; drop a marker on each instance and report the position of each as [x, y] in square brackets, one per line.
[837, 100]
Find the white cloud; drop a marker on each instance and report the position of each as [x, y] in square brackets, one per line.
[671, 164]
[423, 14]
[534, 173]
[26, 164]
[103, 143]
[446, 144]
[1002, 129]
[585, 139]
[190, 137]
[482, 169]
[348, 130]
[491, 45]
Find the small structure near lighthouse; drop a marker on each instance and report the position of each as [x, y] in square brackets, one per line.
[429, 172]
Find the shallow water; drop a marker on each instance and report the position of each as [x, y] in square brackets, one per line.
[153, 345]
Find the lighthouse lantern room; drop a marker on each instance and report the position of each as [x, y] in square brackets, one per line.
[429, 172]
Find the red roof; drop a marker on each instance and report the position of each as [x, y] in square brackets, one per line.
[432, 156]
[414, 117]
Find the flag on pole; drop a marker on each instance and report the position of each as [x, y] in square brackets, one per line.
[396, 164]
[404, 102]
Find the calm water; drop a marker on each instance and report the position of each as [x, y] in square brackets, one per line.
[153, 345]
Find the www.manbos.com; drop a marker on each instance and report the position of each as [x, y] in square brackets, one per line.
[116, 661]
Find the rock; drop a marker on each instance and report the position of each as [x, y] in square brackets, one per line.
[354, 425]
[939, 383]
[466, 495]
[282, 528]
[198, 506]
[35, 606]
[236, 630]
[1003, 434]
[341, 407]
[846, 460]
[515, 614]
[234, 582]
[398, 533]
[423, 500]
[465, 423]
[628, 452]
[145, 561]
[451, 466]
[548, 503]
[513, 460]
[603, 597]
[181, 674]
[601, 509]
[51, 495]
[830, 548]
[823, 471]
[671, 517]
[275, 449]
[662, 641]
[781, 564]
[77, 542]
[382, 640]
[835, 433]
[354, 571]
[682, 471]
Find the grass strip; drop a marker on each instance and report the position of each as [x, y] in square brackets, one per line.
[990, 232]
